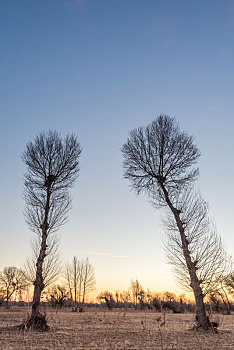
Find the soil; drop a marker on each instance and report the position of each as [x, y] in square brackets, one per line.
[97, 328]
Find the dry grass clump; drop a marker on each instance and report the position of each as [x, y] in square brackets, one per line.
[112, 330]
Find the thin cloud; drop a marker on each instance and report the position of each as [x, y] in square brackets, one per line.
[107, 255]
[164, 29]
[78, 4]
[230, 22]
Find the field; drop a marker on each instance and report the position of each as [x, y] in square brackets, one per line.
[118, 329]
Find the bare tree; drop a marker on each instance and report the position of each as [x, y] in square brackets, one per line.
[160, 160]
[73, 277]
[80, 280]
[52, 168]
[108, 297]
[57, 295]
[125, 296]
[117, 296]
[88, 280]
[136, 291]
[12, 280]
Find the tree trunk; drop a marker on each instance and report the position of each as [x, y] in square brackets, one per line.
[7, 302]
[39, 283]
[201, 316]
[8, 296]
[83, 300]
[37, 320]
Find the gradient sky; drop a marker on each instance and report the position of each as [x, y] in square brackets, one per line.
[99, 68]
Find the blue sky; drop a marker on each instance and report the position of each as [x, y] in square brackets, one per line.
[99, 69]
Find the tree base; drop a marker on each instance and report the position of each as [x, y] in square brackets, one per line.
[37, 323]
[213, 326]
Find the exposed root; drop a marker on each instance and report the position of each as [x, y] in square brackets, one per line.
[211, 326]
[37, 323]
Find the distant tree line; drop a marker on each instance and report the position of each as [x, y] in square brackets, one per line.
[72, 293]
[220, 300]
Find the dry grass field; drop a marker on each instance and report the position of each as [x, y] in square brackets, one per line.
[118, 329]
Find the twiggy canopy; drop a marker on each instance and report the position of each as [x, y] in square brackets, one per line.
[51, 264]
[160, 153]
[52, 168]
[205, 244]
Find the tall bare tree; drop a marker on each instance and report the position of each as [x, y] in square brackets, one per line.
[73, 277]
[52, 168]
[88, 280]
[80, 280]
[160, 160]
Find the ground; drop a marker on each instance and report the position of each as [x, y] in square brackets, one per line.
[118, 329]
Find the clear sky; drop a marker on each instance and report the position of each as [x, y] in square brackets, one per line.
[99, 68]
